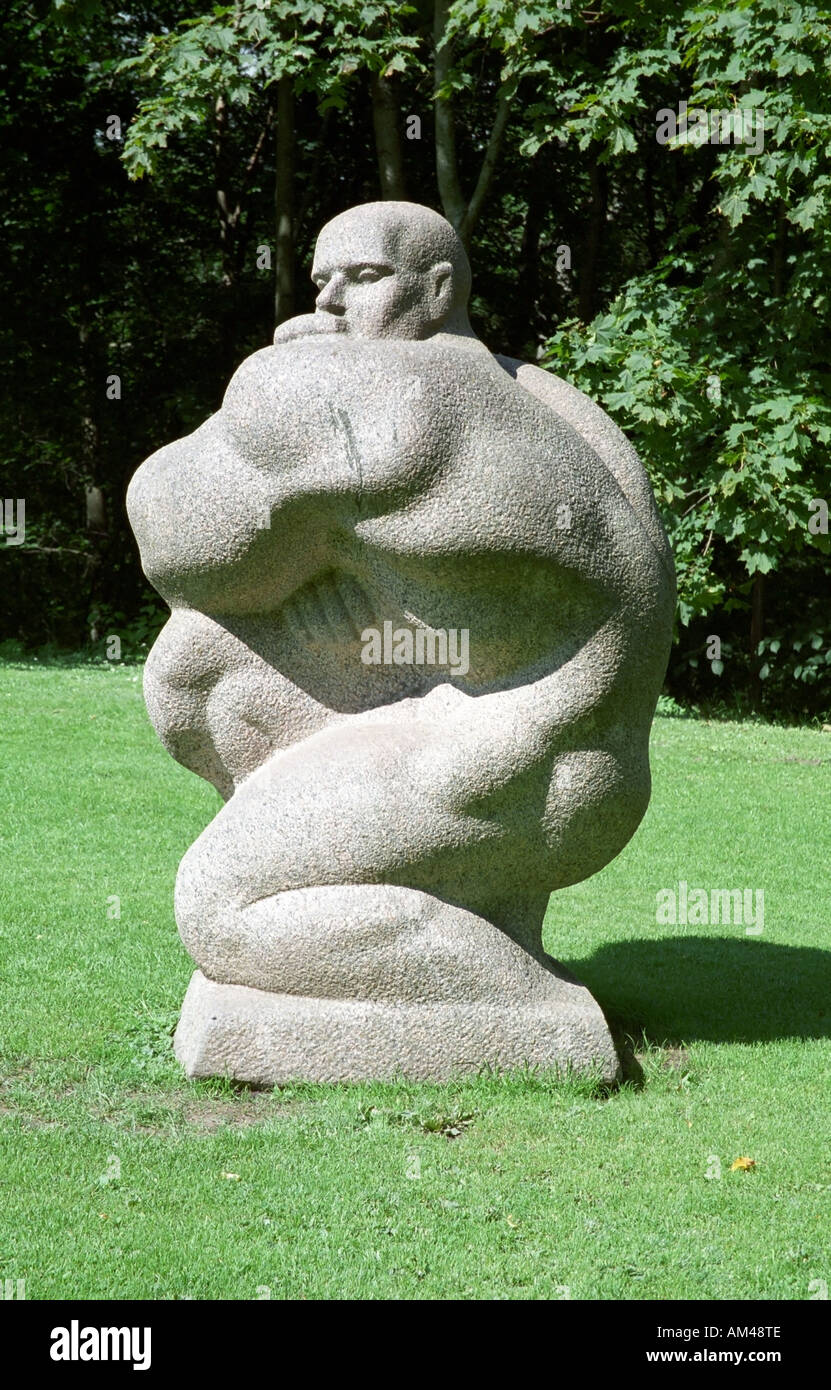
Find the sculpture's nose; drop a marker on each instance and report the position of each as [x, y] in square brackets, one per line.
[330, 299]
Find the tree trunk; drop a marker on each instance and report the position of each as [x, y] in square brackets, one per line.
[593, 242]
[474, 207]
[226, 306]
[652, 239]
[224, 199]
[96, 508]
[284, 204]
[386, 120]
[757, 613]
[524, 320]
[92, 386]
[757, 628]
[447, 171]
[461, 213]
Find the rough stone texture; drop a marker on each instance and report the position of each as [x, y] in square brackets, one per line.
[268, 1039]
[375, 886]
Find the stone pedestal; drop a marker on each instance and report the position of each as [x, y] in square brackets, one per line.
[268, 1039]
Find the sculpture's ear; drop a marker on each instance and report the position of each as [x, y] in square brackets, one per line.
[441, 276]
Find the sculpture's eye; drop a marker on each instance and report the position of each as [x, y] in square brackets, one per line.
[368, 275]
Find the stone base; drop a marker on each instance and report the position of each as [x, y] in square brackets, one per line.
[268, 1039]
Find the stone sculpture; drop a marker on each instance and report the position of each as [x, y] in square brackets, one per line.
[378, 493]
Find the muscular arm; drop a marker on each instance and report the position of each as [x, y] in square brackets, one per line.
[232, 518]
[246, 510]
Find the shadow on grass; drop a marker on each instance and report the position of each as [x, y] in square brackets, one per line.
[717, 989]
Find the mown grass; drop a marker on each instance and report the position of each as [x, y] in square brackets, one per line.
[120, 1179]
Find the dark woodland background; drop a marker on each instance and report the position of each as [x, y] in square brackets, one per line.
[685, 286]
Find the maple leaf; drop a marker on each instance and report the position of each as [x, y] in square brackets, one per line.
[742, 1165]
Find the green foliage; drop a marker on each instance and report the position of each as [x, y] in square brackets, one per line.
[734, 433]
[693, 302]
[715, 359]
[238, 53]
[517, 33]
[796, 659]
[136, 634]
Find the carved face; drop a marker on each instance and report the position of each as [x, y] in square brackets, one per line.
[371, 281]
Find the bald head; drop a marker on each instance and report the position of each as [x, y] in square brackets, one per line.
[392, 270]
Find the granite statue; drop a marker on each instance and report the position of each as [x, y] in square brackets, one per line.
[421, 605]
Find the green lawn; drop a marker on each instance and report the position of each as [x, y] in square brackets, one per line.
[119, 1179]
